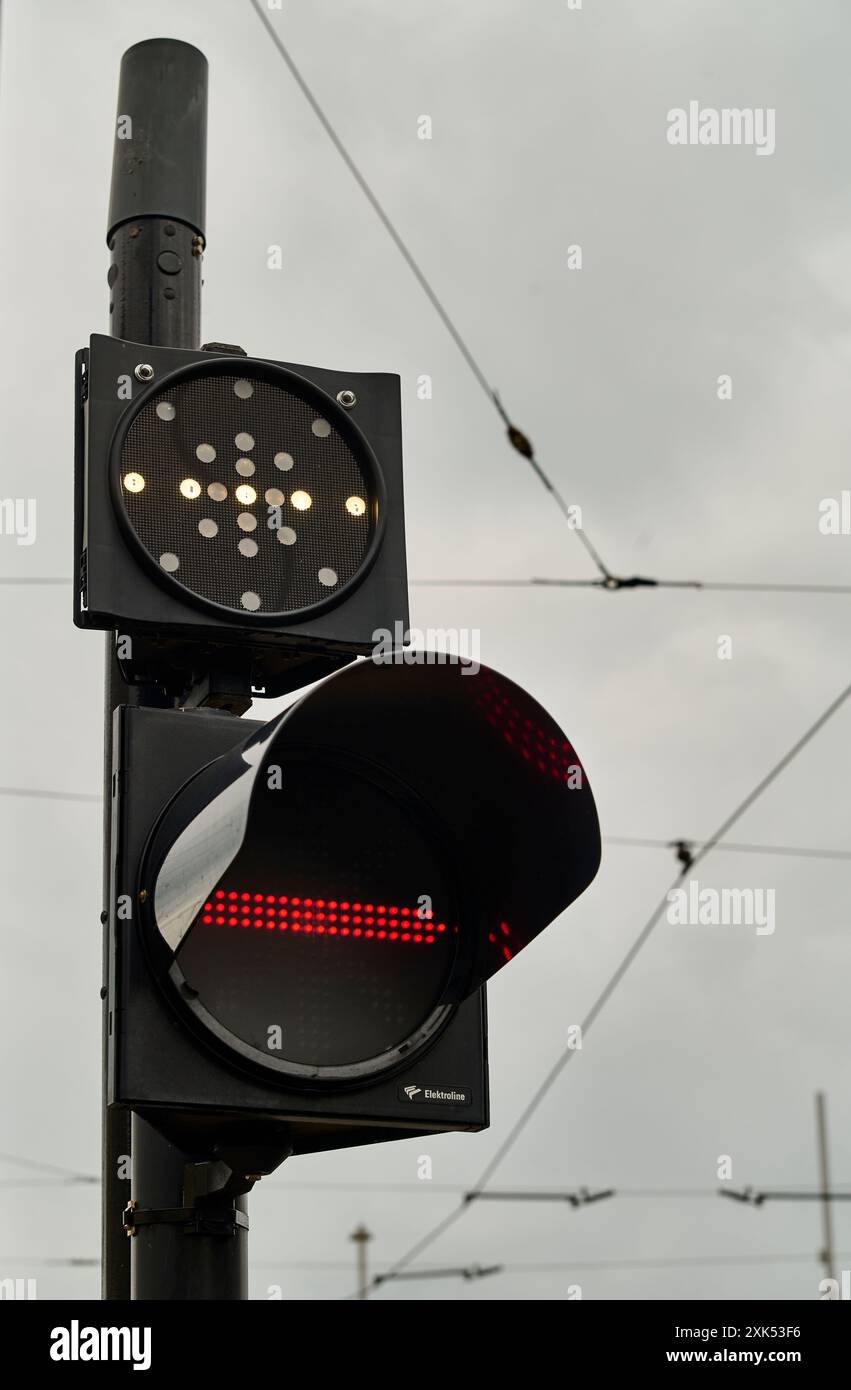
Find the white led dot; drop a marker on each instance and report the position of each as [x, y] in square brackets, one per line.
[245, 467]
[169, 562]
[355, 505]
[274, 497]
[217, 491]
[327, 577]
[321, 429]
[246, 522]
[250, 601]
[190, 488]
[247, 546]
[284, 462]
[208, 527]
[245, 494]
[134, 482]
[244, 441]
[301, 501]
[205, 453]
[243, 389]
[165, 410]
[287, 536]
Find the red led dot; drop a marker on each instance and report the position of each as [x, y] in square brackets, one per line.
[282, 926]
[441, 926]
[232, 897]
[308, 927]
[308, 916]
[207, 921]
[220, 893]
[406, 936]
[231, 921]
[345, 918]
[357, 930]
[370, 921]
[270, 912]
[245, 897]
[283, 899]
[208, 907]
[270, 926]
[356, 907]
[382, 921]
[258, 911]
[296, 926]
[506, 953]
[381, 935]
[332, 916]
[295, 901]
[393, 936]
[369, 908]
[429, 940]
[332, 904]
[320, 902]
[381, 908]
[369, 932]
[320, 931]
[296, 912]
[344, 931]
[491, 936]
[270, 898]
[320, 916]
[357, 921]
[245, 921]
[308, 902]
[220, 921]
[332, 931]
[406, 912]
[504, 929]
[393, 912]
[258, 897]
[344, 907]
[417, 936]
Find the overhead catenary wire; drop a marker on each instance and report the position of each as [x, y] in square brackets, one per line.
[40, 1165]
[517, 438]
[428, 1189]
[614, 583]
[797, 851]
[614, 980]
[512, 1267]
[610, 583]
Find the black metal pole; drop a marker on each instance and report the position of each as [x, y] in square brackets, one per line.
[169, 1259]
[156, 240]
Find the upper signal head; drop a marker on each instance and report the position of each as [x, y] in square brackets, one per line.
[239, 501]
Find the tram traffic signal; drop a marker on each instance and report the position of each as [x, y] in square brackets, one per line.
[312, 907]
[249, 506]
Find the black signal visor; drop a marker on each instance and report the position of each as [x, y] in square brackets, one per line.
[472, 806]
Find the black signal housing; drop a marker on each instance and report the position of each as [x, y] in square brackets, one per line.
[232, 514]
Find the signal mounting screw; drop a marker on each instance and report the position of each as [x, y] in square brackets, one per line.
[347, 399]
[144, 371]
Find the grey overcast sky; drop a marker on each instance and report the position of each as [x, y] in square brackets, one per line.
[549, 129]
